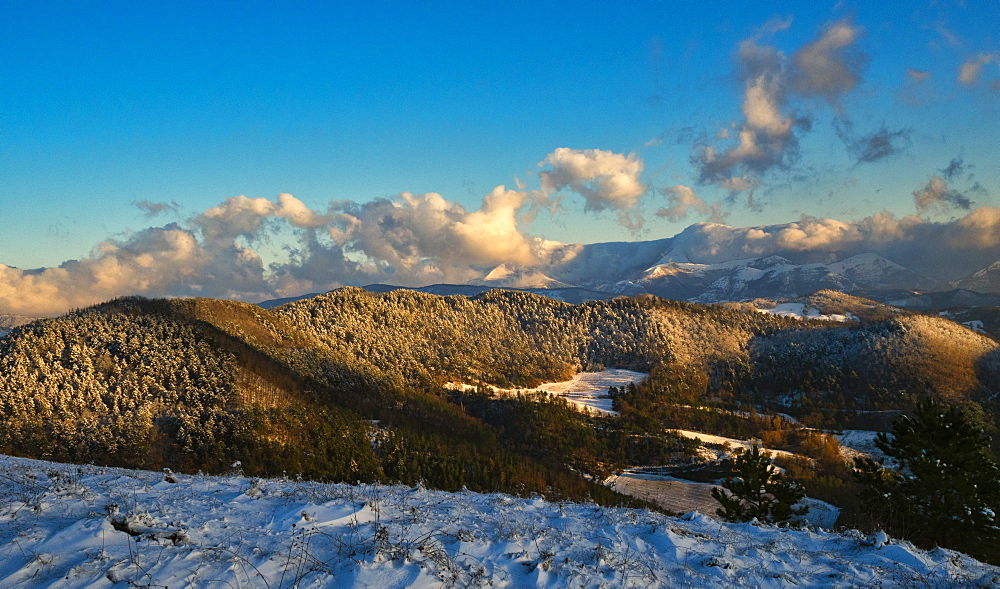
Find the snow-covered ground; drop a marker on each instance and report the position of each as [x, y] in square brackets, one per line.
[590, 389]
[681, 496]
[85, 526]
[728, 442]
[586, 390]
[856, 442]
[802, 311]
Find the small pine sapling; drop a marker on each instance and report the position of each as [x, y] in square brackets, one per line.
[759, 491]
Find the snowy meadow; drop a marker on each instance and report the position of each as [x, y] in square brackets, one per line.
[87, 526]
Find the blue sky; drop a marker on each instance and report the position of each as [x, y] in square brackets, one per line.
[120, 117]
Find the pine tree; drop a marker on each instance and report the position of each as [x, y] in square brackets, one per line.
[758, 492]
[945, 487]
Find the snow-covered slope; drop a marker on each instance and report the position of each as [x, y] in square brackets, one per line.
[85, 526]
[873, 272]
[618, 269]
[701, 266]
[504, 276]
[772, 277]
[9, 322]
[985, 280]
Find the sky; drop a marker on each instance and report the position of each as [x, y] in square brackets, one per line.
[254, 150]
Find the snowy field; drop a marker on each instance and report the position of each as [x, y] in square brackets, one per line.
[732, 443]
[585, 391]
[802, 311]
[84, 526]
[855, 443]
[590, 389]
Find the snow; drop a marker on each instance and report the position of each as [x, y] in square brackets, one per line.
[585, 391]
[681, 496]
[975, 325]
[802, 311]
[590, 389]
[729, 442]
[85, 526]
[856, 443]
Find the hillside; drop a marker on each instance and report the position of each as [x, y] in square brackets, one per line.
[70, 526]
[198, 383]
[136, 380]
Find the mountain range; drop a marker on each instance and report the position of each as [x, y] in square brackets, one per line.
[715, 263]
[711, 263]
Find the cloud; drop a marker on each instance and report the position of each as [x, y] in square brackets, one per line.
[682, 200]
[917, 75]
[874, 146]
[936, 194]
[980, 229]
[773, 107]
[607, 180]
[955, 167]
[413, 239]
[830, 66]
[152, 209]
[162, 261]
[419, 236]
[419, 239]
[969, 71]
[810, 233]
[239, 216]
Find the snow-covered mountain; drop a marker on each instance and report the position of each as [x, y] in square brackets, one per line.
[670, 269]
[503, 276]
[9, 322]
[600, 271]
[986, 280]
[773, 277]
[89, 526]
[713, 263]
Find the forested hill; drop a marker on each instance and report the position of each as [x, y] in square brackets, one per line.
[516, 338]
[347, 385]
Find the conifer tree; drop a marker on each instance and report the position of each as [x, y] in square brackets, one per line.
[944, 488]
[758, 491]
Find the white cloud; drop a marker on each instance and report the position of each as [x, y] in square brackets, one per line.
[774, 112]
[980, 229]
[159, 261]
[607, 180]
[422, 235]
